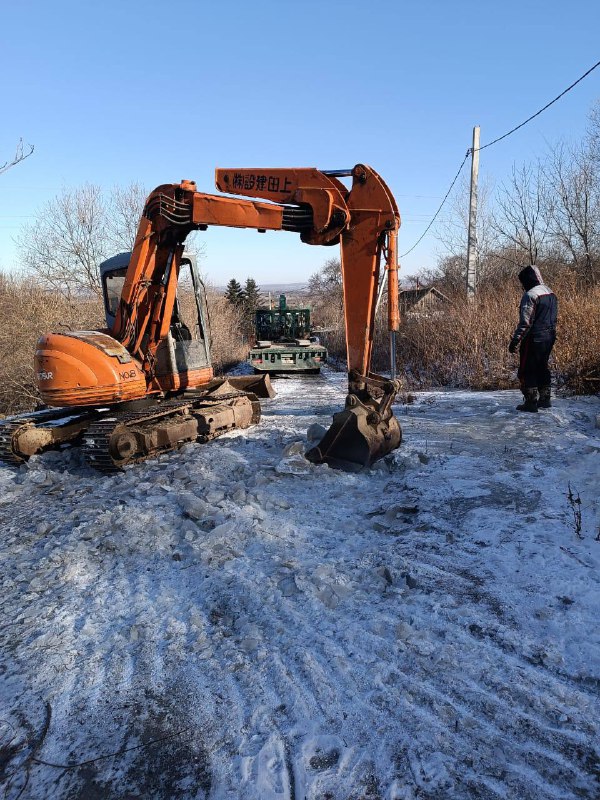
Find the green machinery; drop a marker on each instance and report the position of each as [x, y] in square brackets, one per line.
[284, 341]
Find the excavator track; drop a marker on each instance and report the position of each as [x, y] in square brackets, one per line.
[113, 438]
[45, 424]
[127, 438]
[7, 433]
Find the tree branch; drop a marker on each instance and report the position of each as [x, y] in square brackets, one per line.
[20, 155]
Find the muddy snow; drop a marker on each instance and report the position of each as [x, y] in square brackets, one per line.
[231, 621]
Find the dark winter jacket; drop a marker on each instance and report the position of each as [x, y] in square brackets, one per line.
[538, 311]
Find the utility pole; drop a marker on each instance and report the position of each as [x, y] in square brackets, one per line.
[472, 240]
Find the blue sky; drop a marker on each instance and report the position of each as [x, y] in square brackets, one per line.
[153, 92]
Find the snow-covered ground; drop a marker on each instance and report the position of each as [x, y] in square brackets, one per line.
[233, 622]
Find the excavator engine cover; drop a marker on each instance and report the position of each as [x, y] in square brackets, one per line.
[362, 433]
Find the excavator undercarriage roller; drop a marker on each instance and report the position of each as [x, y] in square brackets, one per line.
[111, 444]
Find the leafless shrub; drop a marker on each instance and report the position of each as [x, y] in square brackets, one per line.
[465, 345]
[325, 295]
[26, 311]
[229, 345]
[576, 354]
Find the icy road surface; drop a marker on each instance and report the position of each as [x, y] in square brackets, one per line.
[233, 622]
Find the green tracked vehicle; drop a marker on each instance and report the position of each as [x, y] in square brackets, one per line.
[284, 341]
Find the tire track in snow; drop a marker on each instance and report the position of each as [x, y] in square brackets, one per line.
[357, 694]
[552, 744]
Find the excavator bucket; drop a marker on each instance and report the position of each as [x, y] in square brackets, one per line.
[259, 385]
[358, 436]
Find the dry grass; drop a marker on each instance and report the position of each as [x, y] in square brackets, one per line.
[466, 346]
[27, 310]
[229, 345]
[577, 351]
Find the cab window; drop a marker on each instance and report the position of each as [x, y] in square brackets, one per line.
[113, 286]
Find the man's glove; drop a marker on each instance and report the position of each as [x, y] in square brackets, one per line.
[512, 347]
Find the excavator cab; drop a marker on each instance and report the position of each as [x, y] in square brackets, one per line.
[186, 346]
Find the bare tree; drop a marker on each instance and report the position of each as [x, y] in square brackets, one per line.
[522, 218]
[546, 213]
[75, 232]
[593, 133]
[491, 263]
[20, 155]
[67, 241]
[453, 229]
[574, 176]
[448, 275]
[125, 211]
[326, 294]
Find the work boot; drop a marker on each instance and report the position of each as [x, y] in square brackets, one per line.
[530, 402]
[544, 401]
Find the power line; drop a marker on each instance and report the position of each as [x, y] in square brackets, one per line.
[495, 141]
[537, 113]
[468, 153]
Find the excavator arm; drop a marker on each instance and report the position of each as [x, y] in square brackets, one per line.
[364, 220]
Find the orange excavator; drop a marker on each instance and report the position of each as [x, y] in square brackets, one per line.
[145, 385]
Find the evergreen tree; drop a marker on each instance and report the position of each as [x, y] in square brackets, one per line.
[234, 293]
[252, 299]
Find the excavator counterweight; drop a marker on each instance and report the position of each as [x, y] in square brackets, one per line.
[145, 384]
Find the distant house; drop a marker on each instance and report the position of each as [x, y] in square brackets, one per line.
[422, 300]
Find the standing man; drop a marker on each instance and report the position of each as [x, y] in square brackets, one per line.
[536, 333]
